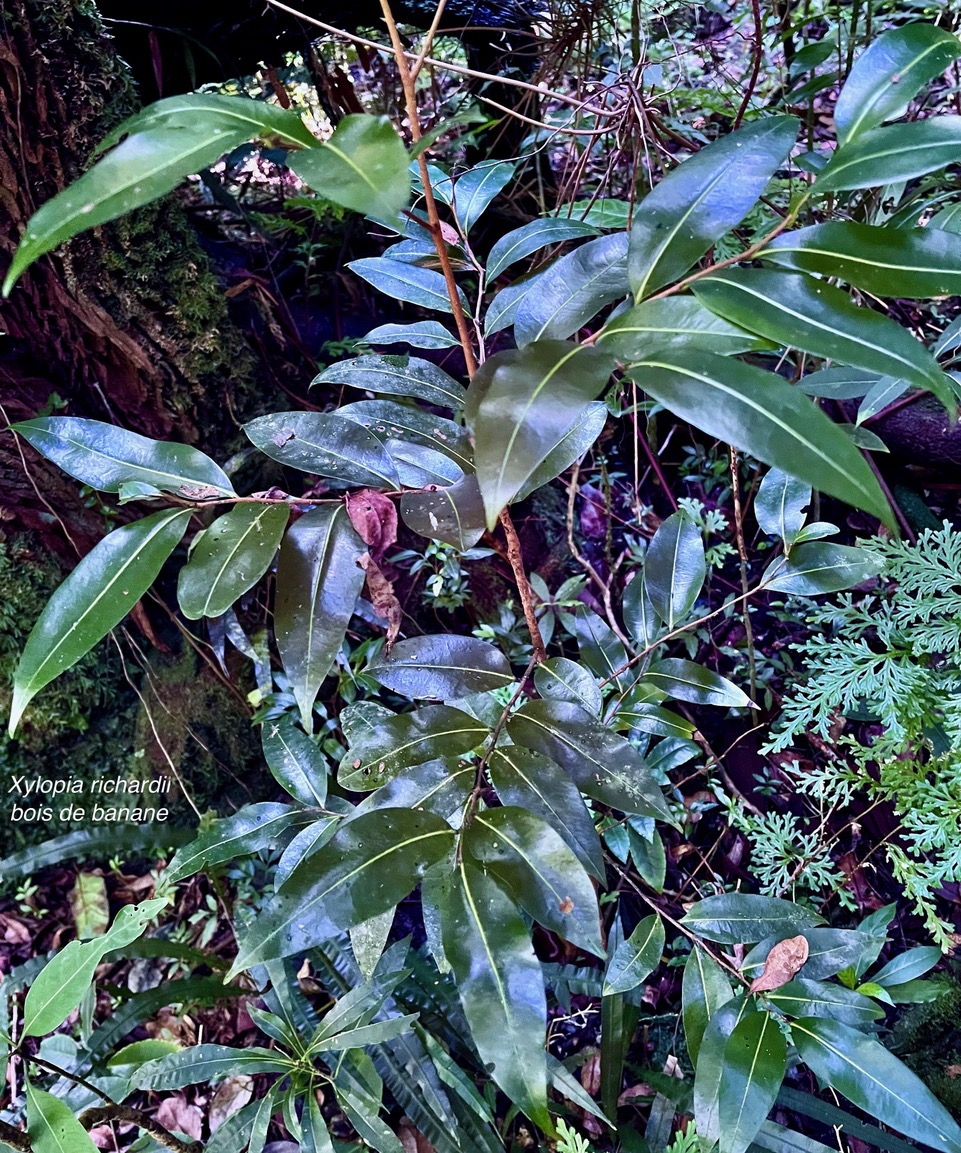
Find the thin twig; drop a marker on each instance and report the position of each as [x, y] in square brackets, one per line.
[516, 558]
[758, 57]
[742, 553]
[90, 1118]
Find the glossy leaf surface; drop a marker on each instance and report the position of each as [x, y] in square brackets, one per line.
[529, 238]
[803, 997]
[898, 152]
[295, 761]
[52, 1126]
[636, 958]
[390, 421]
[324, 443]
[454, 515]
[671, 323]
[674, 568]
[441, 666]
[561, 679]
[420, 286]
[819, 567]
[705, 987]
[739, 918]
[396, 376]
[686, 681]
[250, 829]
[755, 1058]
[475, 189]
[781, 505]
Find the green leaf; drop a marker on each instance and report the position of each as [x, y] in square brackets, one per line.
[908, 965]
[562, 680]
[905, 262]
[454, 515]
[231, 556]
[363, 166]
[52, 1126]
[838, 383]
[475, 189]
[639, 616]
[672, 322]
[539, 871]
[441, 666]
[59, 987]
[781, 505]
[295, 761]
[820, 567]
[250, 829]
[861, 1069]
[803, 997]
[702, 199]
[674, 568]
[89, 905]
[95, 597]
[202, 1063]
[303, 845]
[409, 282]
[529, 238]
[800, 312]
[601, 763]
[755, 1059]
[889, 73]
[686, 681]
[361, 1106]
[500, 984]
[648, 718]
[600, 647]
[390, 421]
[763, 415]
[587, 427]
[521, 405]
[742, 918]
[887, 155]
[408, 739]
[420, 334]
[396, 376]
[710, 1068]
[367, 942]
[649, 857]
[573, 290]
[876, 399]
[704, 989]
[368, 867]
[529, 780]
[318, 582]
[106, 457]
[324, 443]
[636, 958]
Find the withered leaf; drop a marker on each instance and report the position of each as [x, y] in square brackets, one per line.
[782, 964]
[374, 516]
[386, 605]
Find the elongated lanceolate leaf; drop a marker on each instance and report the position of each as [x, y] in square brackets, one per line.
[295, 761]
[686, 681]
[95, 597]
[420, 286]
[368, 866]
[396, 376]
[830, 951]
[759, 413]
[442, 666]
[709, 1065]
[585, 430]
[800, 312]
[454, 515]
[742, 918]
[561, 679]
[861, 1069]
[674, 568]
[106, 457]
[781, 505]
[204, 1063]
[250, 829]
[318, 582]
[821, 567]
[705, 987]
[702, 199]
[500, 984]
[233, 554]
[421, 334]
[670, 323]
[908, 966]
[889, 73]
[888, 155]
[521, 405]
[390, 422]
[531, 237]
[533, 863]
[52, 1126]
[324, 443]
[476, 188]
[754, 1062]
[804, 997]
[902, 262]
[573, 290]
[636, 958]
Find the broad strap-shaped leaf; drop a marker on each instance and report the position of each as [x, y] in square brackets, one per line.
[830, 951]
[60, 985]
[105, 457]
[675, 569]
[314, 1134]
[396, 376]
[95, 597]
[573, 290]
[702, 199]
[318, 582]
[601, 649]
[705, 987]
[409, 282]
[454, 515]
[421, 334]
[250, 829]
[763, 415]
[561, 679]
[363, 166]
[295, 761]
[531, 781]
[476, 188]
[755, 1059]
[887, 155]
[529, 238]
[902, 262]
[636, 958]
[908, 966]
[639, 615]
[709, 1065]
[742, 918]
[819, 567]
[390, 421]
[368, 867]
[52, 1126]
[521, 405]
[648, 718]
[781, 505]
[441, 666]
[539, 871]
[673, 322]
[439, 786]
[861, 1069]
[804, 997]
[587, 427]
[202, 1063]
[324, 443]
[601, 763]
[408, 739]
[500, 984]
[800, 312]
[231, 556]
[684, 680]
[889, 73]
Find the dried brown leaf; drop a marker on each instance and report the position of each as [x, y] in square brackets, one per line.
[386, 605]
[374, 516]
[782, 964]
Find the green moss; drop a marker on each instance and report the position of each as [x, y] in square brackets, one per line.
[927, 1038]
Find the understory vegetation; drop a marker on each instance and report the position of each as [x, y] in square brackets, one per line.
[540, 725]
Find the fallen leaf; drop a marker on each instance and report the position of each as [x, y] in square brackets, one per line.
[386, 605]
[591, 1074]
[412, 1139]
[374, 516]
[176, 1115]
[782, 964]
[233, 1093]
